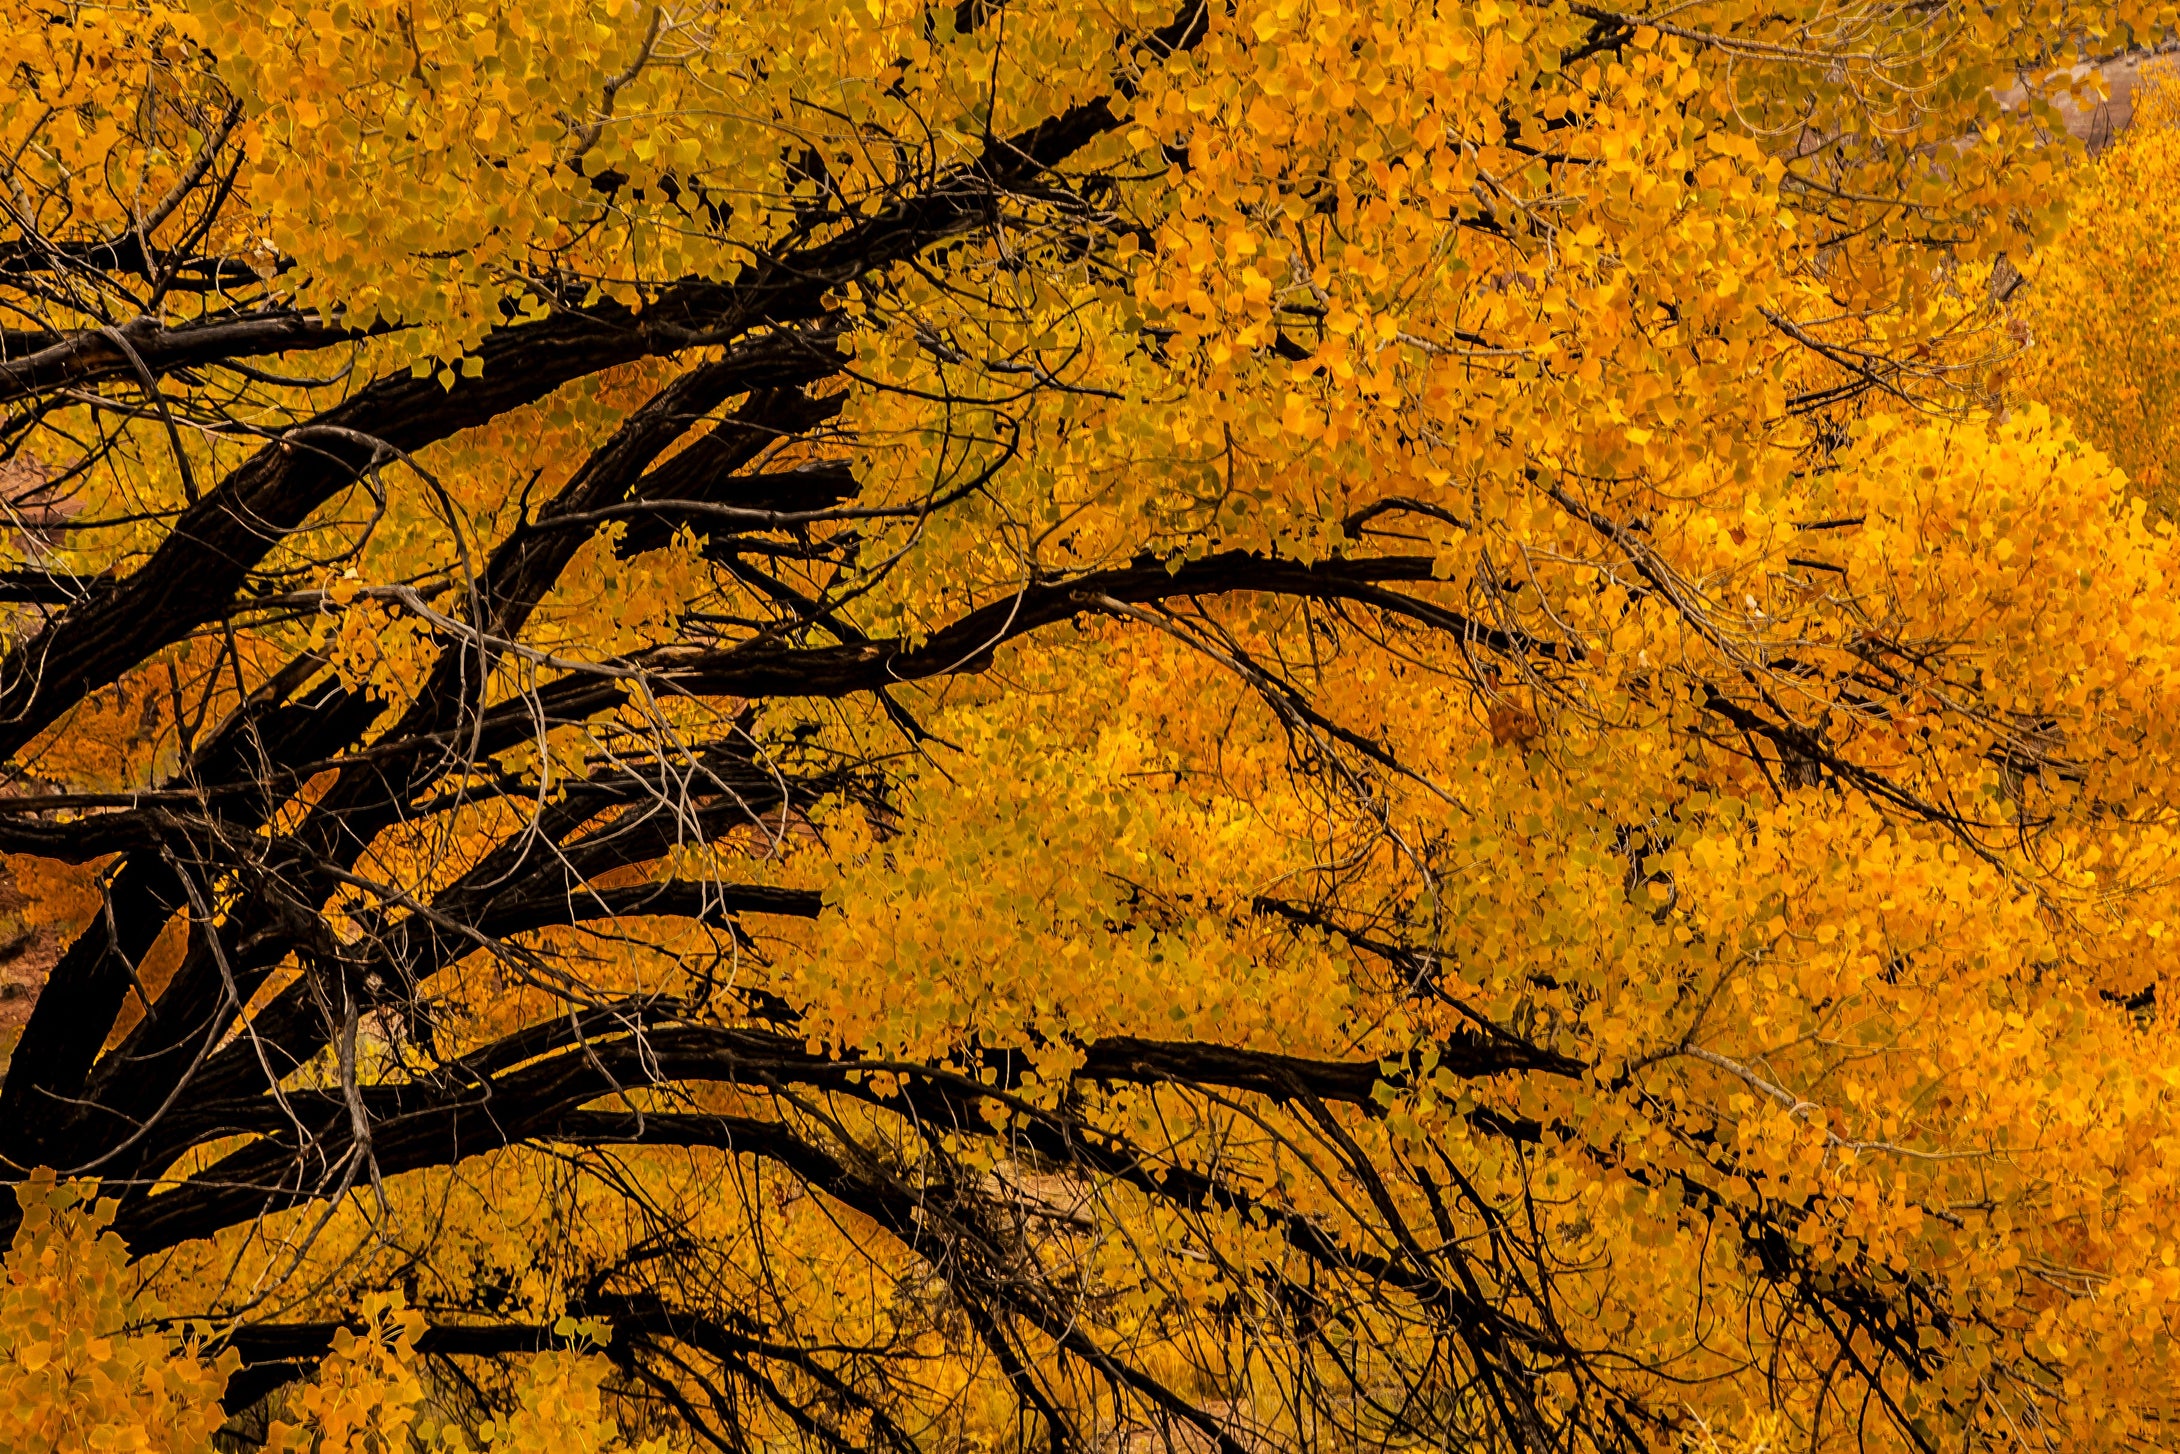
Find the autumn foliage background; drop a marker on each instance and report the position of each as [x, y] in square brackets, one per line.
[1264, 725]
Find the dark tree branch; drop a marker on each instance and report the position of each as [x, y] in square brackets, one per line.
[90, 356]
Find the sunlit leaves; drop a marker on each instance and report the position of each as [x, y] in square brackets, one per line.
[84, 1361]
[1762, 720]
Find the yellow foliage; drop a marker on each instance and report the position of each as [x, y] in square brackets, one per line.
[89, 1363]
[1438, 723]
[2102, 307]
[84, 1363]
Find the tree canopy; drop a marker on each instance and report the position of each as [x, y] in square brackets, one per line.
[1253, 725]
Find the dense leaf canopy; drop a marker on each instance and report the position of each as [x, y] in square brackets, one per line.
[1267, 725]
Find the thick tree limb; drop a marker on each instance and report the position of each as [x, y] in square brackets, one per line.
[88, 356]
[526, 1085]
[215, 543]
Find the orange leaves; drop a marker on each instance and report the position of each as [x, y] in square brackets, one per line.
[1797, 771]
[2095, 316]
[368, 1394]
[2014, 534]
[583, 133]
[87, 1363]
[377, 646]
[1006, 915]
[73, 62]
[78, 1367]
[1512, 725]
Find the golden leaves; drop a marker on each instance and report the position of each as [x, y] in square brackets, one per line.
[2094, 319]
[82, 1367]
[78, 1369]
[1816, 791]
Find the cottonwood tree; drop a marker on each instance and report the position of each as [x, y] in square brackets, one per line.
[1264, 725]
[2103, 299]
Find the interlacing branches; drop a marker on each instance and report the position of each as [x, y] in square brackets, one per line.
[478, 821]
